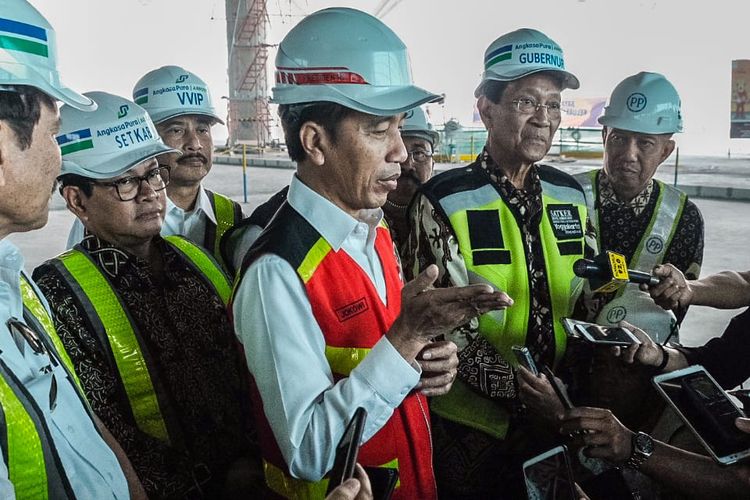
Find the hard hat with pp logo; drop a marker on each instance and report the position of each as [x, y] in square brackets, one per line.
[416, 125]
[521, 53]
[28, 54]
[347, 57]
[173, 91]
[647, 103]
[108, 142]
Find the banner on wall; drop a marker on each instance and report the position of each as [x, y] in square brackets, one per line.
[582, 112]
[740, 107]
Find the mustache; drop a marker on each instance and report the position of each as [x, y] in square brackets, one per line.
[185, 158]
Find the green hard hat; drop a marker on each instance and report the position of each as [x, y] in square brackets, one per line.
[173, 91]
[647, 103]
[28, 54]
[521, 53]
[416, 125]
[108, 142]
[348, 57]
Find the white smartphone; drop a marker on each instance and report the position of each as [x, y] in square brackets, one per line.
[707, 410]
[598, 334]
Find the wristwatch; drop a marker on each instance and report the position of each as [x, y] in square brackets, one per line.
[643, 447]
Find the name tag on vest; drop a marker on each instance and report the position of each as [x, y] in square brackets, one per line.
[355, 308]
[565, 221]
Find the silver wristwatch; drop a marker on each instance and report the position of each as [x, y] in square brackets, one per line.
[643, 447]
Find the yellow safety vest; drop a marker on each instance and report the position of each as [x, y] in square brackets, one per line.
[228, 213]
[113, 324]
[493, 251]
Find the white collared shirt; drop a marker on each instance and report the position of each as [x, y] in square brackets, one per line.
[89, 464]
[285, 348]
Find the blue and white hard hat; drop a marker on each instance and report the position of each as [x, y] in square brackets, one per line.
[173, 91]
[348, 57]
[416, 125]
[646, 103]
[28, 54]
[108, 142]
[521, 53]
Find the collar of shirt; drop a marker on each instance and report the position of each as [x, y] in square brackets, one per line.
[111, 259]
[202, 205]
[608, 197]
[11, 264]
[497, 175]
[330, 221]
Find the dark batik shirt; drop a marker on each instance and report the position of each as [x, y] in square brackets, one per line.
[194, 359]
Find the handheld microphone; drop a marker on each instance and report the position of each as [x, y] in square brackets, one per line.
[608, 272]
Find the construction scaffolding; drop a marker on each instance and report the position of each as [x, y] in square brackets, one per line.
[249, 119]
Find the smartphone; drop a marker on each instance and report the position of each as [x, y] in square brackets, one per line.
[559, 390]
[523, 356]
[347, 450]
[548, 476]
[597, 334]
[707, 410]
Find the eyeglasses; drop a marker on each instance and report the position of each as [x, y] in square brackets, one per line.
[23, 335]
[530, 106]
[419, 156]
[127, 188]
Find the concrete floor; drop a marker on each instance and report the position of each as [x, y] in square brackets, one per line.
[727, 240]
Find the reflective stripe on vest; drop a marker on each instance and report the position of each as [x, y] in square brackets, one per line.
[501, 266]
[630, 302]
[28, 449]
[33, 303]
[225, 218]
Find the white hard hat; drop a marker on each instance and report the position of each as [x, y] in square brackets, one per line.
[647, 103]
[521, 53]
[173, 91]
[347, 57]
[28, 54]
[416, 125]
[108, 142]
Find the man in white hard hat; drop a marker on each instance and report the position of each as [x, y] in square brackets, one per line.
[143, 318]
[518, 225]
[319, 307]
[420, 140]
[180, 105]
[52, 445]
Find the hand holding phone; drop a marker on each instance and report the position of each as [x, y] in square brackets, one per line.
[598, 334]
[524, 358]
[347, 450]
[558, 388]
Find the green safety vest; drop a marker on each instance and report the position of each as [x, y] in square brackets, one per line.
[114, 326]
[630, 303]
[227, 213]
[493, 250]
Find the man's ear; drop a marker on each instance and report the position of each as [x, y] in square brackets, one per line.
[315, 142]
[76, 200]
[7, 143]
[483, 106]
[668, 148]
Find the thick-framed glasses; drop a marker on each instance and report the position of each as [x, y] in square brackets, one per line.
[530, 106]
[127, 188]
[23, 335]
[419, 156]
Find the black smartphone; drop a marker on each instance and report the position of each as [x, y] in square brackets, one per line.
[548, 476]
[347, 450]
[383, 481]
[523, 356]
[560, 391]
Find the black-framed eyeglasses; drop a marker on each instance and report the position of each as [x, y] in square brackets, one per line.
[529, 106]
[23, 335]
[419, 156]
[127, 188]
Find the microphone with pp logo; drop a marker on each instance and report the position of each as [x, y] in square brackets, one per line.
[609, 272]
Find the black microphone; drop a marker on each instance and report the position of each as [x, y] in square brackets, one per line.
[608, 272]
